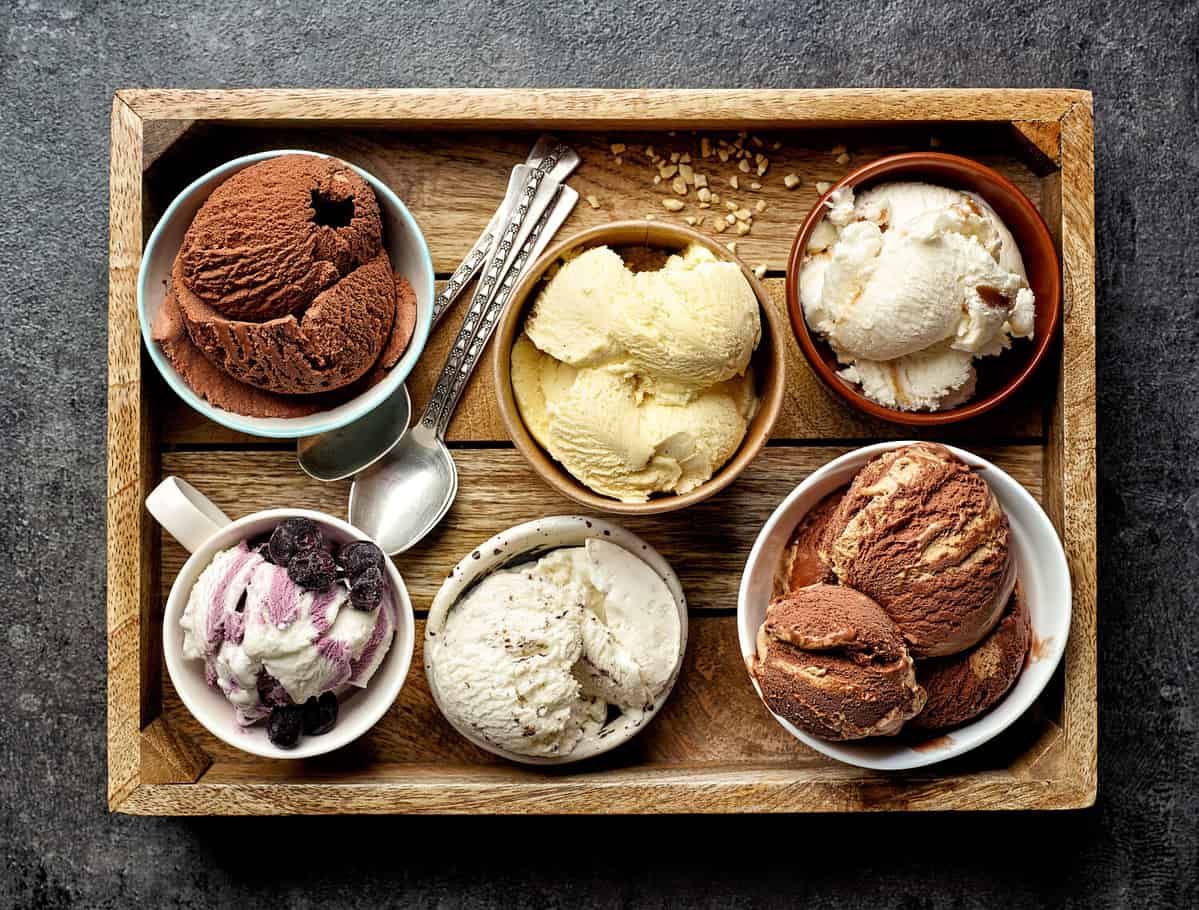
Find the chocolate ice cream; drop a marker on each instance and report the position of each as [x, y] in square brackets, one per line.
[833, 663]
[801, 564]
[962, 686]
[282, 300]
[924, 536]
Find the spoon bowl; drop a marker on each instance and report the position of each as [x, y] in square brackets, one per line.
[348, 450]
[402, 498]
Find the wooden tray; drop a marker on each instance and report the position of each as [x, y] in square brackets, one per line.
[714, 748]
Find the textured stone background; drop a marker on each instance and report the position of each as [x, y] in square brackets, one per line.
[60, 65]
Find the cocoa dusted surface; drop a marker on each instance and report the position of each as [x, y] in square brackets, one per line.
[1136, 848]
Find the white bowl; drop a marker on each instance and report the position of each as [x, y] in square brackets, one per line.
[405, 245]
[1040, 565]
[528, 541]
[358, 712]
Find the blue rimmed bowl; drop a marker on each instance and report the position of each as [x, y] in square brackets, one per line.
[405, 245]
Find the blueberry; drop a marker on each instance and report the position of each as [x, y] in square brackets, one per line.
[359, 556]
[284, 726]
[295, 535]
[312, 569]
[320, 714]
[366, 591]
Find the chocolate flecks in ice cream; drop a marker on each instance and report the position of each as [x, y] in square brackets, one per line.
[832, 662]
[924, 536]
[282, 302]
[963, 686]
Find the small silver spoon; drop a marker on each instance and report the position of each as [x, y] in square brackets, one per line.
[402, 497]
[353, 448]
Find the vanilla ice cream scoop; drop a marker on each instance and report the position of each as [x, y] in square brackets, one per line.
[531, 658]
[909, 283]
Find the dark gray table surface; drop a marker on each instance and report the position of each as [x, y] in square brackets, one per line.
[60, 65]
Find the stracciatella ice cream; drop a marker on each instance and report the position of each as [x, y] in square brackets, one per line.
[924, 536]
[909, 283]
[639, 383]
[531, 658]
[832, 662]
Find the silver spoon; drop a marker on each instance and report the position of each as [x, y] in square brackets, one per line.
[402, 497]
[353, 448]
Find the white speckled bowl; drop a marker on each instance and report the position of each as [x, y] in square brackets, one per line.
[1040, 565]
[528, 541]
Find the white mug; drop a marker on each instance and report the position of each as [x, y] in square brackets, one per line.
[204, 530]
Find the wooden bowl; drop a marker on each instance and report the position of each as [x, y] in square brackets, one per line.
[768, 364]
[998, 377]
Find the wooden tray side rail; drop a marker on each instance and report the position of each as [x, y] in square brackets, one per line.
[161, 763]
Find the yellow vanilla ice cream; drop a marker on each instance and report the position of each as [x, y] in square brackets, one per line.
[909, 283]
[639, 383]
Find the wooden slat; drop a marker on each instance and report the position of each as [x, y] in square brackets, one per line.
[597, 108]
[497, 489]
[1070, 464]
[130, 463]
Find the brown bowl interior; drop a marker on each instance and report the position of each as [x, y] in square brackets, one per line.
[768, 364]
[998, 377]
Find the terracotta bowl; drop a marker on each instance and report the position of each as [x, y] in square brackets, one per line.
[998, 377]
[768, 364]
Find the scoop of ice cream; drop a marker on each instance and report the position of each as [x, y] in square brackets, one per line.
[833, 663]
[531, 658]
[276, 234]
[801, 564]
[266, 641]
[908, 283]
[925, 537]
[619, 440]
[679, 329]
[962, 686]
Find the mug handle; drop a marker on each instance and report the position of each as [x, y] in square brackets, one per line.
[187, 514]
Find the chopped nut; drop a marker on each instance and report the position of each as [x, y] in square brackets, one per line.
[685, 158]
[672, 205]
[723, 154]
[723, 143]
[757, 141]
[704, 205]
[732, 245]
[674, 157]
[701, 180]
[754, 185]
[822, 187]
[843, 158]
[719, 226]
[742, 227]
[686, 173]
[690, 219]
[733, 182]
[679, 185]
[618, 147]
[731, 206]
[650, 216]
[593, 202]
[699, 222]
[704, 194]
[761, 206]
[716, 198]
[791, 181]
[743, 214]
[743, 166]
[838, 149]
[668, 170]
[759, 272]
[650, 153]
[763, 168]
[657, 179]
[705, 147]
[777, 145]
[730, 218]
[619, 161]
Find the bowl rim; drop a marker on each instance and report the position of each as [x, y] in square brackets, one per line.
[356, 407]
[981, 729]
[376, 701]
[761, 425]
[506, 548]
[894, 166]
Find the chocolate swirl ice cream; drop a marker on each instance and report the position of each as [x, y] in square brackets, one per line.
[282, 299]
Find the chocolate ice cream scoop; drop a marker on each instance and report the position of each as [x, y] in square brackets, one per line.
[273, 236]
[924, 536]
[962, 686]
[801, 564]
[833, 663]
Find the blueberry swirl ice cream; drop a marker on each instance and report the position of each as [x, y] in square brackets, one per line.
[285, 629]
